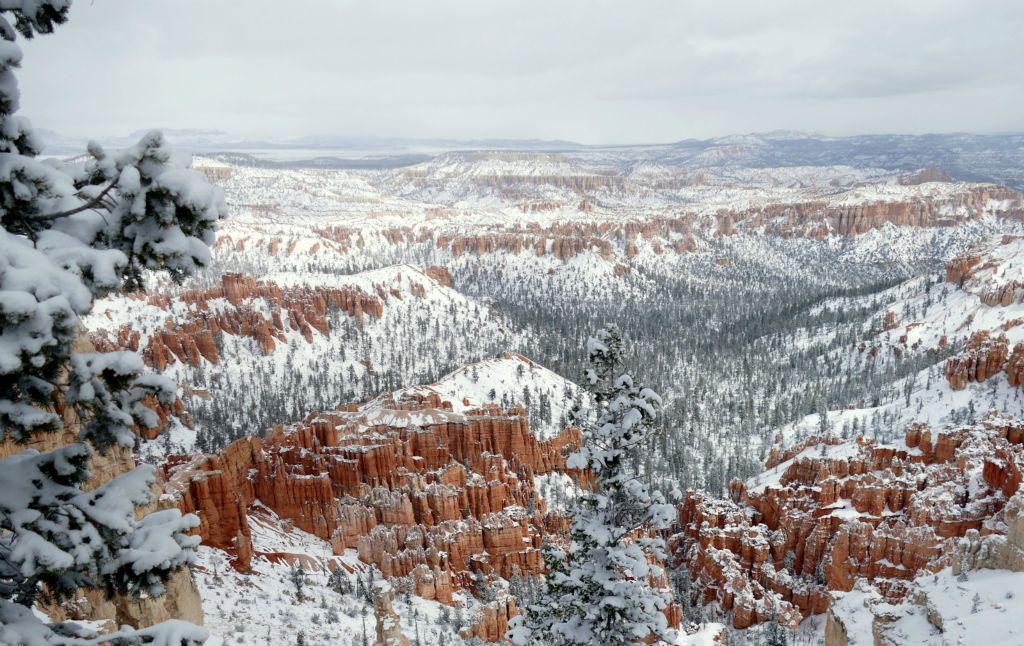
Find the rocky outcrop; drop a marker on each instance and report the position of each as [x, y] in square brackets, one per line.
[817, 220]
[189, 328]
[179, 601]
[263, 312]
[815, 215]
[828, 513]
[983, 358]
[923, 211]
[491, 623]
[388, 626]
[854, 217]
[995, 551]
[890, 321]
[432, 583]
[417, 489]
[927, 610]
[440, 274]
[991, 270]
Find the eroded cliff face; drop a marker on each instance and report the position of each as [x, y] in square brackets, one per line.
[965, 603]
[239, 306]
[492, 623]
[189, 328]
[983, 358]
[991, 270]
[417, 489]
[828, 512]
[922, 201]
[387, 624]
[813, 219]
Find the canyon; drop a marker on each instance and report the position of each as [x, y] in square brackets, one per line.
[338, 286]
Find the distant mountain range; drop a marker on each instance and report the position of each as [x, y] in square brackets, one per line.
[208, 140]
[990, 158]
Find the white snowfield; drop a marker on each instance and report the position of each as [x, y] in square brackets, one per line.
[982, 608]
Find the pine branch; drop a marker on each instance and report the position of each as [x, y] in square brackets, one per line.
[91, 204]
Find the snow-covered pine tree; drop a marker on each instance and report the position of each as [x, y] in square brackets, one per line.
[339, 581]
[775, 634]
[72, 232]
[599, 590]
[297, 575]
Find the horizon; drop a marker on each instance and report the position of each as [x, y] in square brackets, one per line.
[325, 138]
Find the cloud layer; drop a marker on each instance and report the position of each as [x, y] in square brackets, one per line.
[594, 71]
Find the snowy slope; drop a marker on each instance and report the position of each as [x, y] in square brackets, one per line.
[261, 607]
[933, 318]
[357, 360]
[510, 378]
[981, 608]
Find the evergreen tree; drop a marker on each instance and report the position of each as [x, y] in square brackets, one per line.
[68, 234]
[775, 633]
[364, 641]
[339, 581]
[297, 575]
[598, 590]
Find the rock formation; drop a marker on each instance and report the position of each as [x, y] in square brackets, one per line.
[868, 607]
[492, 623]
[189, 327]
[388, 623]
[994, 551]
[260, 311]
[991, 271]
[417, 489]
[983, 358]
[811, 216]
[564, 240]
[829, 512]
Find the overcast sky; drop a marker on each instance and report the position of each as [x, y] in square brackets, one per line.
[591, 71]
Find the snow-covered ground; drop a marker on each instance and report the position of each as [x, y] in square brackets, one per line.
[981, 609]
[372, 229]
[262, 607]
[933, 318]
[548, 397]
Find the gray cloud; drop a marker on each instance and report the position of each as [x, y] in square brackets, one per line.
[594, 71]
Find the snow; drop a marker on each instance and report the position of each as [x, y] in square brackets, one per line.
[939, 310]
[705, 636]
[459, 194]
[983, 609]
[261, 606]
[470, 387]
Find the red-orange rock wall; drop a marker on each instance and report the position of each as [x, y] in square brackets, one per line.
[452, 497]
[878, 512]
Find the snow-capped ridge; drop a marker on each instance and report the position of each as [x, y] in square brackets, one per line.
[503, 381]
